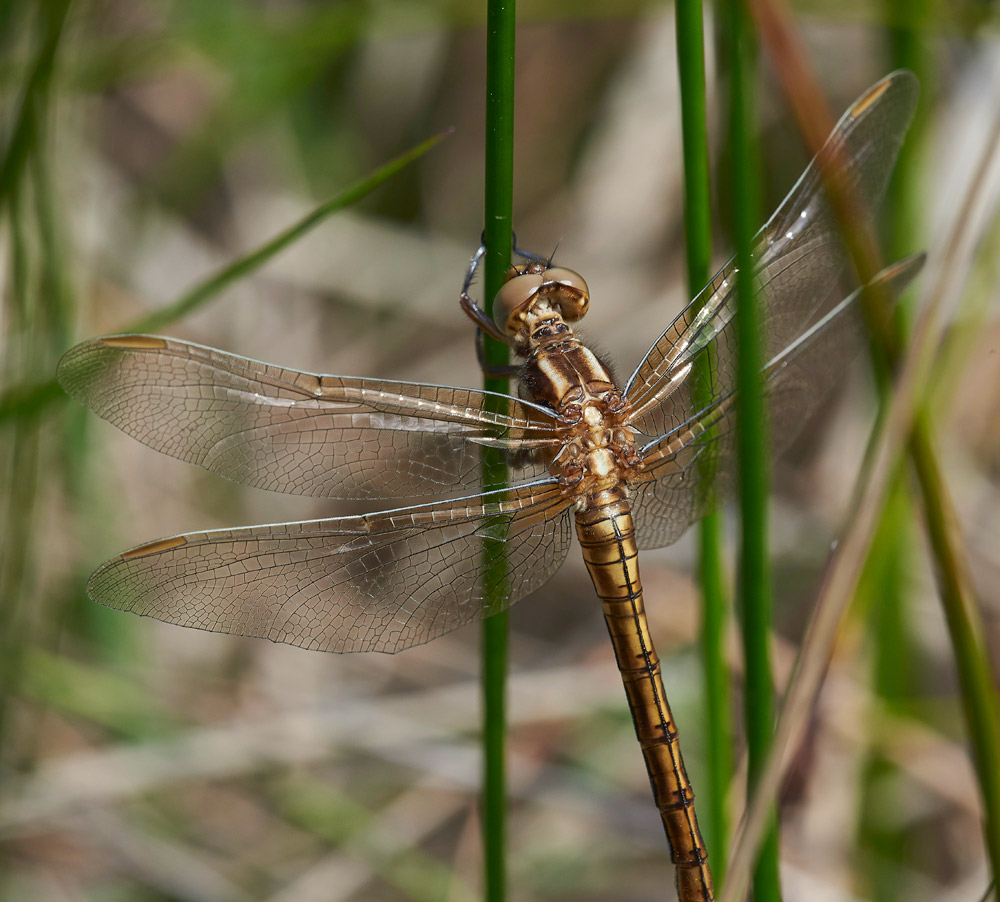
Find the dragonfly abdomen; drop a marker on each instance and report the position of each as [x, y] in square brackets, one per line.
[607, 537]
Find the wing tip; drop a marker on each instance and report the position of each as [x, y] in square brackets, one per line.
[903, 271]
[898, 80]
[81, 357]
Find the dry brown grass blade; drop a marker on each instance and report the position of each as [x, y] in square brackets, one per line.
[950, 265]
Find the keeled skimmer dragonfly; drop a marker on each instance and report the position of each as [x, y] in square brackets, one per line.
[631, 466]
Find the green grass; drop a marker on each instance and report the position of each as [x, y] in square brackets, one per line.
[37, 309]
[30, 399]
[715, 614]
[754, 592]
[188, 116]
[895, 655]
[960, 605]
[497, 232]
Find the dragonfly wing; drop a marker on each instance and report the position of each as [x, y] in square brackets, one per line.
[691, 469]
[798, 255]
[378, 582]
[276, 428]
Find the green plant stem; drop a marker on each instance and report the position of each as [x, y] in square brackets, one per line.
[908, 50]
[890, 557]
[34, 100]
[967, 632]
[498, 204]
[36, 316]
[882, 587]
[972, 660]
[966, 629]
[17, 500]
[754, 573]
[210, 288]
[698, 243]
[22, 400]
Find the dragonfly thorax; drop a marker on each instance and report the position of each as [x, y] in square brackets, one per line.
[601, 453]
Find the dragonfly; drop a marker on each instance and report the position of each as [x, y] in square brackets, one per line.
[623, 467]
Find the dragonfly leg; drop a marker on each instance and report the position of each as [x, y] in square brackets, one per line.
[474, 265]
[487, 326]
[528, 255]
[473, 310]
[484, 324]
[479, 317]
[483, 320]
[493, 370]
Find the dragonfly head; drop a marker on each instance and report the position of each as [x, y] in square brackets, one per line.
[534, 286]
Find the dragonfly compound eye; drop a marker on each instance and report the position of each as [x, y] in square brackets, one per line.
[515, 299]
[568, 291]
[563, 289]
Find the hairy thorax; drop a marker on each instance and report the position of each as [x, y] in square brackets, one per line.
[598, 452]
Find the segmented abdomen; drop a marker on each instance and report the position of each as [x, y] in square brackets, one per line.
[607, 537]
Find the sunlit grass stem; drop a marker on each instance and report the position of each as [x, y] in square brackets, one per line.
[698, 244]
[883, 584]
[754, 580]
[499, 192]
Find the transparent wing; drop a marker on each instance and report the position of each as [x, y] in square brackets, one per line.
[276, 428]
[798, 256]
[692, 468]
[378, 582]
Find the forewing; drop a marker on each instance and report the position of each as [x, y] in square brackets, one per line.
[378, 582]
[691, 469]
[276, 428]
[799, 255]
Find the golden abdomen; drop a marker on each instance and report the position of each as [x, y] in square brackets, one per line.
[607, 536]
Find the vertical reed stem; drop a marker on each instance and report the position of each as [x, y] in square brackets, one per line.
[499, 177]
[698, 242]
[754, 573]
[891, 554]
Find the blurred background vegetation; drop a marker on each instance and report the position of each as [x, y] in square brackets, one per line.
[146, 144]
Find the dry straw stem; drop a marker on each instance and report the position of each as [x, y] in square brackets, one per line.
[945, 279]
